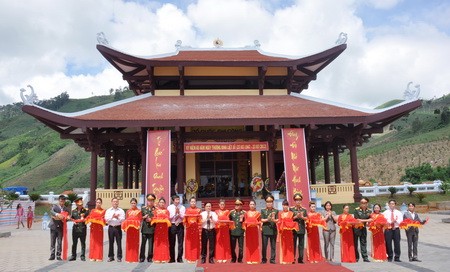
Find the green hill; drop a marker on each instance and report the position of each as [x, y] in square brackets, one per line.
[33, 155]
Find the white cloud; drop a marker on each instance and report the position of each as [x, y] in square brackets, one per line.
[383, 4]
[54, 40]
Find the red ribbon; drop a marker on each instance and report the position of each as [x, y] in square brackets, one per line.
[65, 242]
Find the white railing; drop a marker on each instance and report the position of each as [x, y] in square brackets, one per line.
[401, 189]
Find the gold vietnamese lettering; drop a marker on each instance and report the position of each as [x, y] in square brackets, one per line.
[158, 189]
[296, 179]
[292, 133]
[293, 156]
[158, 175]
[295, 167]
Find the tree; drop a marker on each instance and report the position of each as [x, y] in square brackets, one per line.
[416, 125]
[71, 197]
[445, 116]
[411, 190]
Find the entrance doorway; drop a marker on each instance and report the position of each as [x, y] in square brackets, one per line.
[220, 173]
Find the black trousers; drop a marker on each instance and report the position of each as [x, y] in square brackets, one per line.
[115, 233]
[75, 236]
[413, 239]
[301, 244]
[392, 235]
[146, 237]
[176, 233]
[208, 238]
[240, 242]
[56, 236]
[361, 235]
[273, 242]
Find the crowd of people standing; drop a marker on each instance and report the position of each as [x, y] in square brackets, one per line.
[212, 236]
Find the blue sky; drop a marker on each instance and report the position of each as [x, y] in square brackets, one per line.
[51, 44]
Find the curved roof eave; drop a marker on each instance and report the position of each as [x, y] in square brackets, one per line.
[110, 54]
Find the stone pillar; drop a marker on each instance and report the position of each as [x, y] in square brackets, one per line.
[130, 173]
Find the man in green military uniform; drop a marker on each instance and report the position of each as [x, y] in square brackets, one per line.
[269, 218]
[147, 229]
[299, 235]
[363, 214]
[79, 229]
[237, 234]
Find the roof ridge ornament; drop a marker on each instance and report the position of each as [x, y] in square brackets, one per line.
[409, 94]
[341, 39]
[218, 43]
[257, 44]
[178, 44]
[28, 99]
[101, 39]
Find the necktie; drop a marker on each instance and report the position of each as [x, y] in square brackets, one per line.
[392, 219]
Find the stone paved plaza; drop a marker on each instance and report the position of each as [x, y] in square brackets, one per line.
[28, 250]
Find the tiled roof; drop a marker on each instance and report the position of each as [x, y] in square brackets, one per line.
[221, 55]
[220, 107]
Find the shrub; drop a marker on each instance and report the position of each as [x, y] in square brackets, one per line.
[411, 190]
[445, 186]
[393, 191]
[71, 197]
[421, 196]
[35, 197]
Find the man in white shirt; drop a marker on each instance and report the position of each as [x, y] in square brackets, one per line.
[209, 220]
[176, 231]
[412, 233]
[114, 217]
[392, 233]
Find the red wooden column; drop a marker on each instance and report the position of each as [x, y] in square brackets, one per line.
[93, 179]
[271, 159]
[180, 161]
[130, 173]
[125, 173]
[354, 170]
[136, 175]
[326, 164]
[107, 168]
[312, 167]
[143, 152]
[115, 170]
[337, 164]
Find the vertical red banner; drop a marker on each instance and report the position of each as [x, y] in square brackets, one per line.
[158, 164]
[295, 164]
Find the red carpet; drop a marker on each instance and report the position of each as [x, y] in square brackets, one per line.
[238, 267]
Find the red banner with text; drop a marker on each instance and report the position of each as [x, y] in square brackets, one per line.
[225, 147]
[295, 164]
[158, 164]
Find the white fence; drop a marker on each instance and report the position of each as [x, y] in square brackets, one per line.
[51, 198]
[401, 189]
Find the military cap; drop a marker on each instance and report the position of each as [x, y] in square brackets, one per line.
[238, 202]
[151, 197]
[269, 198]
[78, 199]
[298, 196]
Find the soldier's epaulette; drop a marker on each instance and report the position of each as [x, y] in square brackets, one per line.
[87, 209]
[358, 208]
[292, 207]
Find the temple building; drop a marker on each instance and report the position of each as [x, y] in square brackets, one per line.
[225, 109]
